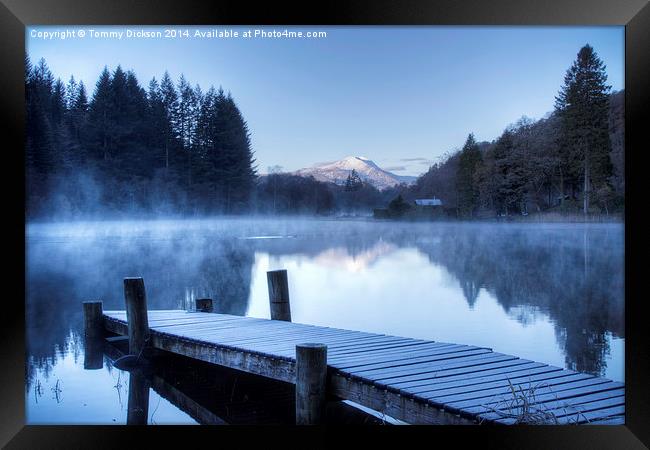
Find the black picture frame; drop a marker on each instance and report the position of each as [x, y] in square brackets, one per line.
[634, 14]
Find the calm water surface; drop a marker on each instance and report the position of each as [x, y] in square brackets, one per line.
[553, 293]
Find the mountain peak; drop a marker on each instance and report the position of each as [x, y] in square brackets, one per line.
[338, 171]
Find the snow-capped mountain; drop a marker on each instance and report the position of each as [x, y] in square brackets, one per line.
[338, 171]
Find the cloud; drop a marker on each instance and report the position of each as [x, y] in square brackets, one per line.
[413, 159]
[395, 168]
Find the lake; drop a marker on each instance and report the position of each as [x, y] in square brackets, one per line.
[553, 293]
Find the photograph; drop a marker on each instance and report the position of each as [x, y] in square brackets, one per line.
[325, 224]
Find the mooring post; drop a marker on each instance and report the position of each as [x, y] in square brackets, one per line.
[136, 314]
[311, 383]
[204, 305]
[279, 295]
[93, 321]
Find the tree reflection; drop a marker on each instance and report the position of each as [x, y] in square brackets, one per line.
[61, 277]
[572, 273]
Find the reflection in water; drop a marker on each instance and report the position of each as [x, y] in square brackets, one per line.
[573, 273]
[342, 257]
[567, 276]
[138, 406]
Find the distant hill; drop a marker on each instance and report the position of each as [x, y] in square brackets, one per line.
[337, 172]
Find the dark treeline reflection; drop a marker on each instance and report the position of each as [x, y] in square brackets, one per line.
[61, 274]
[572, 273]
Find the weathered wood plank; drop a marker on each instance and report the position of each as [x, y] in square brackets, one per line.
[367, 344]
[464, 371]
[577, 413]
[444, 380]
[274, 341]
[202, 322]
[413, 380]
[352, 350]
[527, 388]
[254, 335]
[208, 329]
[408, 361]
[276, 368]
[550, 400]
[434, 368]
[465, 391]
[397, 354]
[392, 404]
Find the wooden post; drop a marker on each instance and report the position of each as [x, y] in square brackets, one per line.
[279, 295]
[311, 383]
[204, 305]
[93, 320]
[136, 314]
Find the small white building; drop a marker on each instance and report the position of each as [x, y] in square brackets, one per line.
[428, 202]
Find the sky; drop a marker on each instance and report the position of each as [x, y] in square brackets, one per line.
[400, 96]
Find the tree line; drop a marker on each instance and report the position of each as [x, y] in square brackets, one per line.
[172, 148]
[570, 161]
[169, 148]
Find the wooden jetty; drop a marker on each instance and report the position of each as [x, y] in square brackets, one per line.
[413, 380]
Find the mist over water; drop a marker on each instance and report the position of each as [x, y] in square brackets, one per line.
[553, 293]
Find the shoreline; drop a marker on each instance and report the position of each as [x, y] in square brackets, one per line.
[551, 218]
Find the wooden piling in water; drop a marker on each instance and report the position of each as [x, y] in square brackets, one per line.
[311, 383]
[93, 319]
[136, 314]
[279, 295]
[204, 305]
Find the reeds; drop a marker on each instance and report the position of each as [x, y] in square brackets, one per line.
[522, 408]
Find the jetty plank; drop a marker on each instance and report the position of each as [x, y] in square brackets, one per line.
[414, 380]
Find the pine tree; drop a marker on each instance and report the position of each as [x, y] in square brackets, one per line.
[398, 207]
[71, 92]
[138, 158]
[353, 182]
[170, 105]
[582, 105]
[466, 177]
[227, 147]
[78, 116]
[118, 120]
[236, 141]
[157, 122]
[187, 106]
[40, 151]
[99, 116]
[58, 107]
